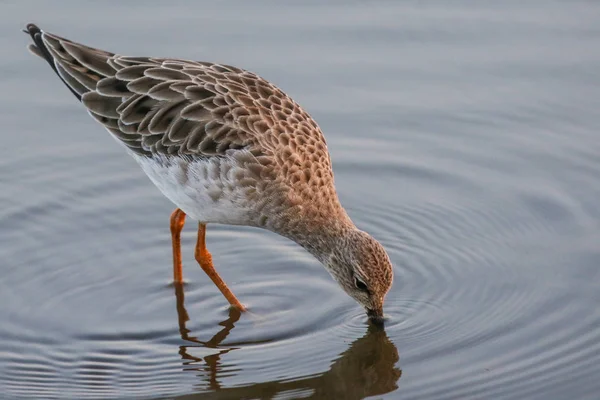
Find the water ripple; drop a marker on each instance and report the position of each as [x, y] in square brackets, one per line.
[464, 138]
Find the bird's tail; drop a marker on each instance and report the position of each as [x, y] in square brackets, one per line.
[78, 66]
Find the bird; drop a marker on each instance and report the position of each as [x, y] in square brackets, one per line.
[227, 147]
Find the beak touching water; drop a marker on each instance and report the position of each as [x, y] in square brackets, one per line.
[376, 315]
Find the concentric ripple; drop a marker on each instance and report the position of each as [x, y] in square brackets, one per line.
[464, 137]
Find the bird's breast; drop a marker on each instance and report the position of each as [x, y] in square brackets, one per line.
[205, 189]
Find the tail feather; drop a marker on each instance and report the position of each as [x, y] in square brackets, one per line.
[42, 51]
[34, 50]
[79, 67]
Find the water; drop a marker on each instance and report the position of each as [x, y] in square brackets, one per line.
[464, 137]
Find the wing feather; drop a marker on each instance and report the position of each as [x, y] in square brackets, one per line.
[167, 106]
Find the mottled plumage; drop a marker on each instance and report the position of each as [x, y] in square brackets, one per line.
[223, 144]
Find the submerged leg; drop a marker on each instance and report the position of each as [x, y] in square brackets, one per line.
[177, 222]
[205, 260]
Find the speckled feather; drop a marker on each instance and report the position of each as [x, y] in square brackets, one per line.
[222, 143]
[159, 107]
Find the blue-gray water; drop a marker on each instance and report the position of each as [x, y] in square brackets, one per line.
[464, 136]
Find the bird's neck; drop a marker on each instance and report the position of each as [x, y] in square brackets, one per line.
[318, 231]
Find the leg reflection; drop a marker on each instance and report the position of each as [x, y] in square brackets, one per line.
[209, 364]
[368, 367]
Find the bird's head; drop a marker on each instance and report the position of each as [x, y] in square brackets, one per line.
[363, 269]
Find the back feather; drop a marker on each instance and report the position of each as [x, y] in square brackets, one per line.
[159, 107]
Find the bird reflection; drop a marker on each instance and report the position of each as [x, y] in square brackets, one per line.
[366, 368]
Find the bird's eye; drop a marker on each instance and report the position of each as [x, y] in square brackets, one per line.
[360, 285]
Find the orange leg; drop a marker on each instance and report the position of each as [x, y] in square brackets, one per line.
[205, 260]
[177, 222]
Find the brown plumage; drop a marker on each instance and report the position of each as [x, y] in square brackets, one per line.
[225, 146]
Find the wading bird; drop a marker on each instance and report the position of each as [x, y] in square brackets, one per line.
[225, 146]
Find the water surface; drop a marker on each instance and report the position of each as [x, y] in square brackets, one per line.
[464, 137]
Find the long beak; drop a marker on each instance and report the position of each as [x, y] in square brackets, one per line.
[376, 316]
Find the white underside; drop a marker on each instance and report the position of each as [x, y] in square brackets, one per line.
[204, 189]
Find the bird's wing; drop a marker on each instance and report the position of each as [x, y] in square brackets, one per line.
[172, 106]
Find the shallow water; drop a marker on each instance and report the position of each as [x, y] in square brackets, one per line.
[464, 137]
